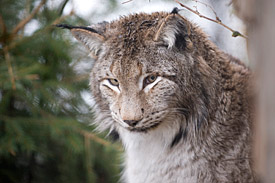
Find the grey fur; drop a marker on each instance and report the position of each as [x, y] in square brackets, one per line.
[194, 124]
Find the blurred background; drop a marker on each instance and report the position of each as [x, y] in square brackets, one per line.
[45, 104]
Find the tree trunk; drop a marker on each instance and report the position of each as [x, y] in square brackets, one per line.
[259, 17]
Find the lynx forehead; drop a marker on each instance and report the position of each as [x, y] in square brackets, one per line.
[138, 94]
[181, 106]
[138, 76]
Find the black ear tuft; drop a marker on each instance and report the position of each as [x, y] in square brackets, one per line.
[175, 10]
[90, 37]
[70, 27]
[64, 26]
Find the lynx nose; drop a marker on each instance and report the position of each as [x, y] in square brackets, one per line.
[131, 123]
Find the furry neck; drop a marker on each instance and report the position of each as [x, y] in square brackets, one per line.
[150, 157]
[158, 139]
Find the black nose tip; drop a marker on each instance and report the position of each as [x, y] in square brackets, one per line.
[131, 123]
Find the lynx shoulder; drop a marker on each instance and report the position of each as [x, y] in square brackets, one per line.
[181, 106]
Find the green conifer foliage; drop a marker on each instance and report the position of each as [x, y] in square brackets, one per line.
[44, 131]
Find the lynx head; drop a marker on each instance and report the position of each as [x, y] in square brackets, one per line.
[146, 71]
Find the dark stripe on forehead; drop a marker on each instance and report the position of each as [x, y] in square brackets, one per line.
[140, 66]
[130, 67]
[112, 66]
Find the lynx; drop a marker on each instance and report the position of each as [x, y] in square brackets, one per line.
[181, 107]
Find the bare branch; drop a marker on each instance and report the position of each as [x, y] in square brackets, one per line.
[8, 61]
[126, 1]
[98, 139]
[2, 25]
[234, 32]
[58, 20]
[208, 6]
[21, 24]
[61, 9]
[13, 44]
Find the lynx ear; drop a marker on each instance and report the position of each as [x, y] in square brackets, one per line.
[90, 37]
[174, 32]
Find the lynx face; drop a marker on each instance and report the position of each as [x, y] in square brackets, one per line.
[141, 91]
[145, 73]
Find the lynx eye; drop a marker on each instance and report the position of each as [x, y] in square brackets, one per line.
[150, 79]
[113, 82]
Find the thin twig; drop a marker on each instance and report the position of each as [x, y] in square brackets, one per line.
[234, 32]
[8, 61]
[126, 1]
[49, 27]
[21, 24]
[129, 1]
[2, 25]
[58, 20]
[63, 7]
[208, 6]
[160, 28]
[88, 155]
[98, 139]
[32, 77]
[26, 14]
[13, 44]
